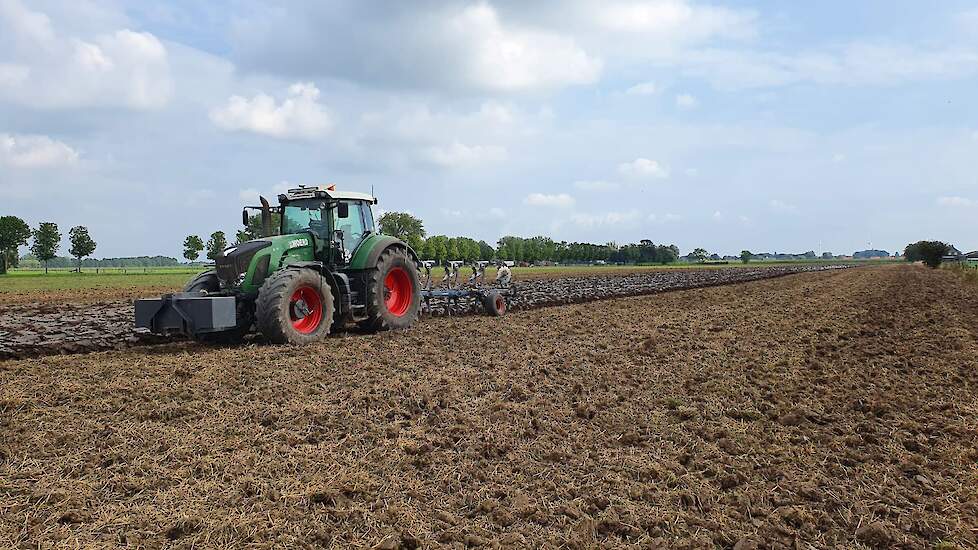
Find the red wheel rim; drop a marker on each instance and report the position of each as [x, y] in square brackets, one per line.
[306, 309]
[500, 304]
[398, 291]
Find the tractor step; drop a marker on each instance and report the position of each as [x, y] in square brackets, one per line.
[186, 313]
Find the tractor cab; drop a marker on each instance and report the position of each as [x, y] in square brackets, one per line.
[338, 222]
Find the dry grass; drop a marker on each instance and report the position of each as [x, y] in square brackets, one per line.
[822, 410]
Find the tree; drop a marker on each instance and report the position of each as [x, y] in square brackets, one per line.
[216, 245]
[436, 248]
[81, 243]
[699, 254]
[929, 252]
[47, 240]
[452, 248]
[666, 254]
[415, 242]
[254, 228]
[402, 225]
[14, 232]
[192, 246]
[746, 255]
[485, 251]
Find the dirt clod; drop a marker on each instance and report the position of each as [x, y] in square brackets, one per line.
[874, 534]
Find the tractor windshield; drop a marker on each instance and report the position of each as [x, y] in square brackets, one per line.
[303, 215]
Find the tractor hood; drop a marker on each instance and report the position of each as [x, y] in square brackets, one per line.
[234, 263]
[244, 267]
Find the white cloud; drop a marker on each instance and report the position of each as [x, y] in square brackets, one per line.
[644, 88]
[516, 59]
[691, 172]
[459, 155]
[409, 133]
[642, 168]
[596, 185]
[605, 219]
[956, 201]
[672, 19]
[44, 68]
[686, 101]
[838, 157]
[19, 151]
[446, 46]
[299, 115]
[560, 200]
[781, 206]
[717, 216]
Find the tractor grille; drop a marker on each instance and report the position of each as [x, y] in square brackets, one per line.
[230, 266]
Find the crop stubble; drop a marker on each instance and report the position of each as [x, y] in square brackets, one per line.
[831, 409]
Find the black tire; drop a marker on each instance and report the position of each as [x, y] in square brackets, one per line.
[207, 281]
[282, 314]
[494, 303]
[379, 316]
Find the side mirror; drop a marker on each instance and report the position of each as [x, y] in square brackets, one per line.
[244, 217]
[343, 210]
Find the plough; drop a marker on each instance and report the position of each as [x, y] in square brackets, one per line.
[495, 297]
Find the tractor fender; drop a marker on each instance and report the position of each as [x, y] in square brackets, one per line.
[367, 257]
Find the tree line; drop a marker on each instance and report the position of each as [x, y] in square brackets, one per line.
[45, 242]
[410, 229]
[60, 262]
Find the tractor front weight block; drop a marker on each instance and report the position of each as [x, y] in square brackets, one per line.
[186, 313]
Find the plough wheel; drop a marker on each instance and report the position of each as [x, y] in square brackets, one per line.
[495, 303]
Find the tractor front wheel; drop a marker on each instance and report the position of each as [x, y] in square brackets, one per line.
[393, 292]
[294, 306]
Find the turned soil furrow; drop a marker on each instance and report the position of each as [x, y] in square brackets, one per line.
[48, 329]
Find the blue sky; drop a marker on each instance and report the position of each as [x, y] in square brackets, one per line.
[772, 126]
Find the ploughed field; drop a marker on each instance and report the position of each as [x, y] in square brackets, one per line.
[836, 409]
[61, 325]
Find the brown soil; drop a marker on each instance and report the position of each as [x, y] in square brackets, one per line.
[82, 295]
[136, 291]
[835, 409]
[46, 328]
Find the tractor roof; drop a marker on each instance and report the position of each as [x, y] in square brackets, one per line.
[326, 191]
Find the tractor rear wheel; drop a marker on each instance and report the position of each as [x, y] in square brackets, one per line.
[294, 306]
[393, 292]
[208, 282]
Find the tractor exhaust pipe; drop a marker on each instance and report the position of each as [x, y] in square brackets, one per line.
[266, 217]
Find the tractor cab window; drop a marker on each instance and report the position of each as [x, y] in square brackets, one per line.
[353, 225]
[306, 215]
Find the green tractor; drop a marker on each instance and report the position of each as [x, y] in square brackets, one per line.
[327, 267]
